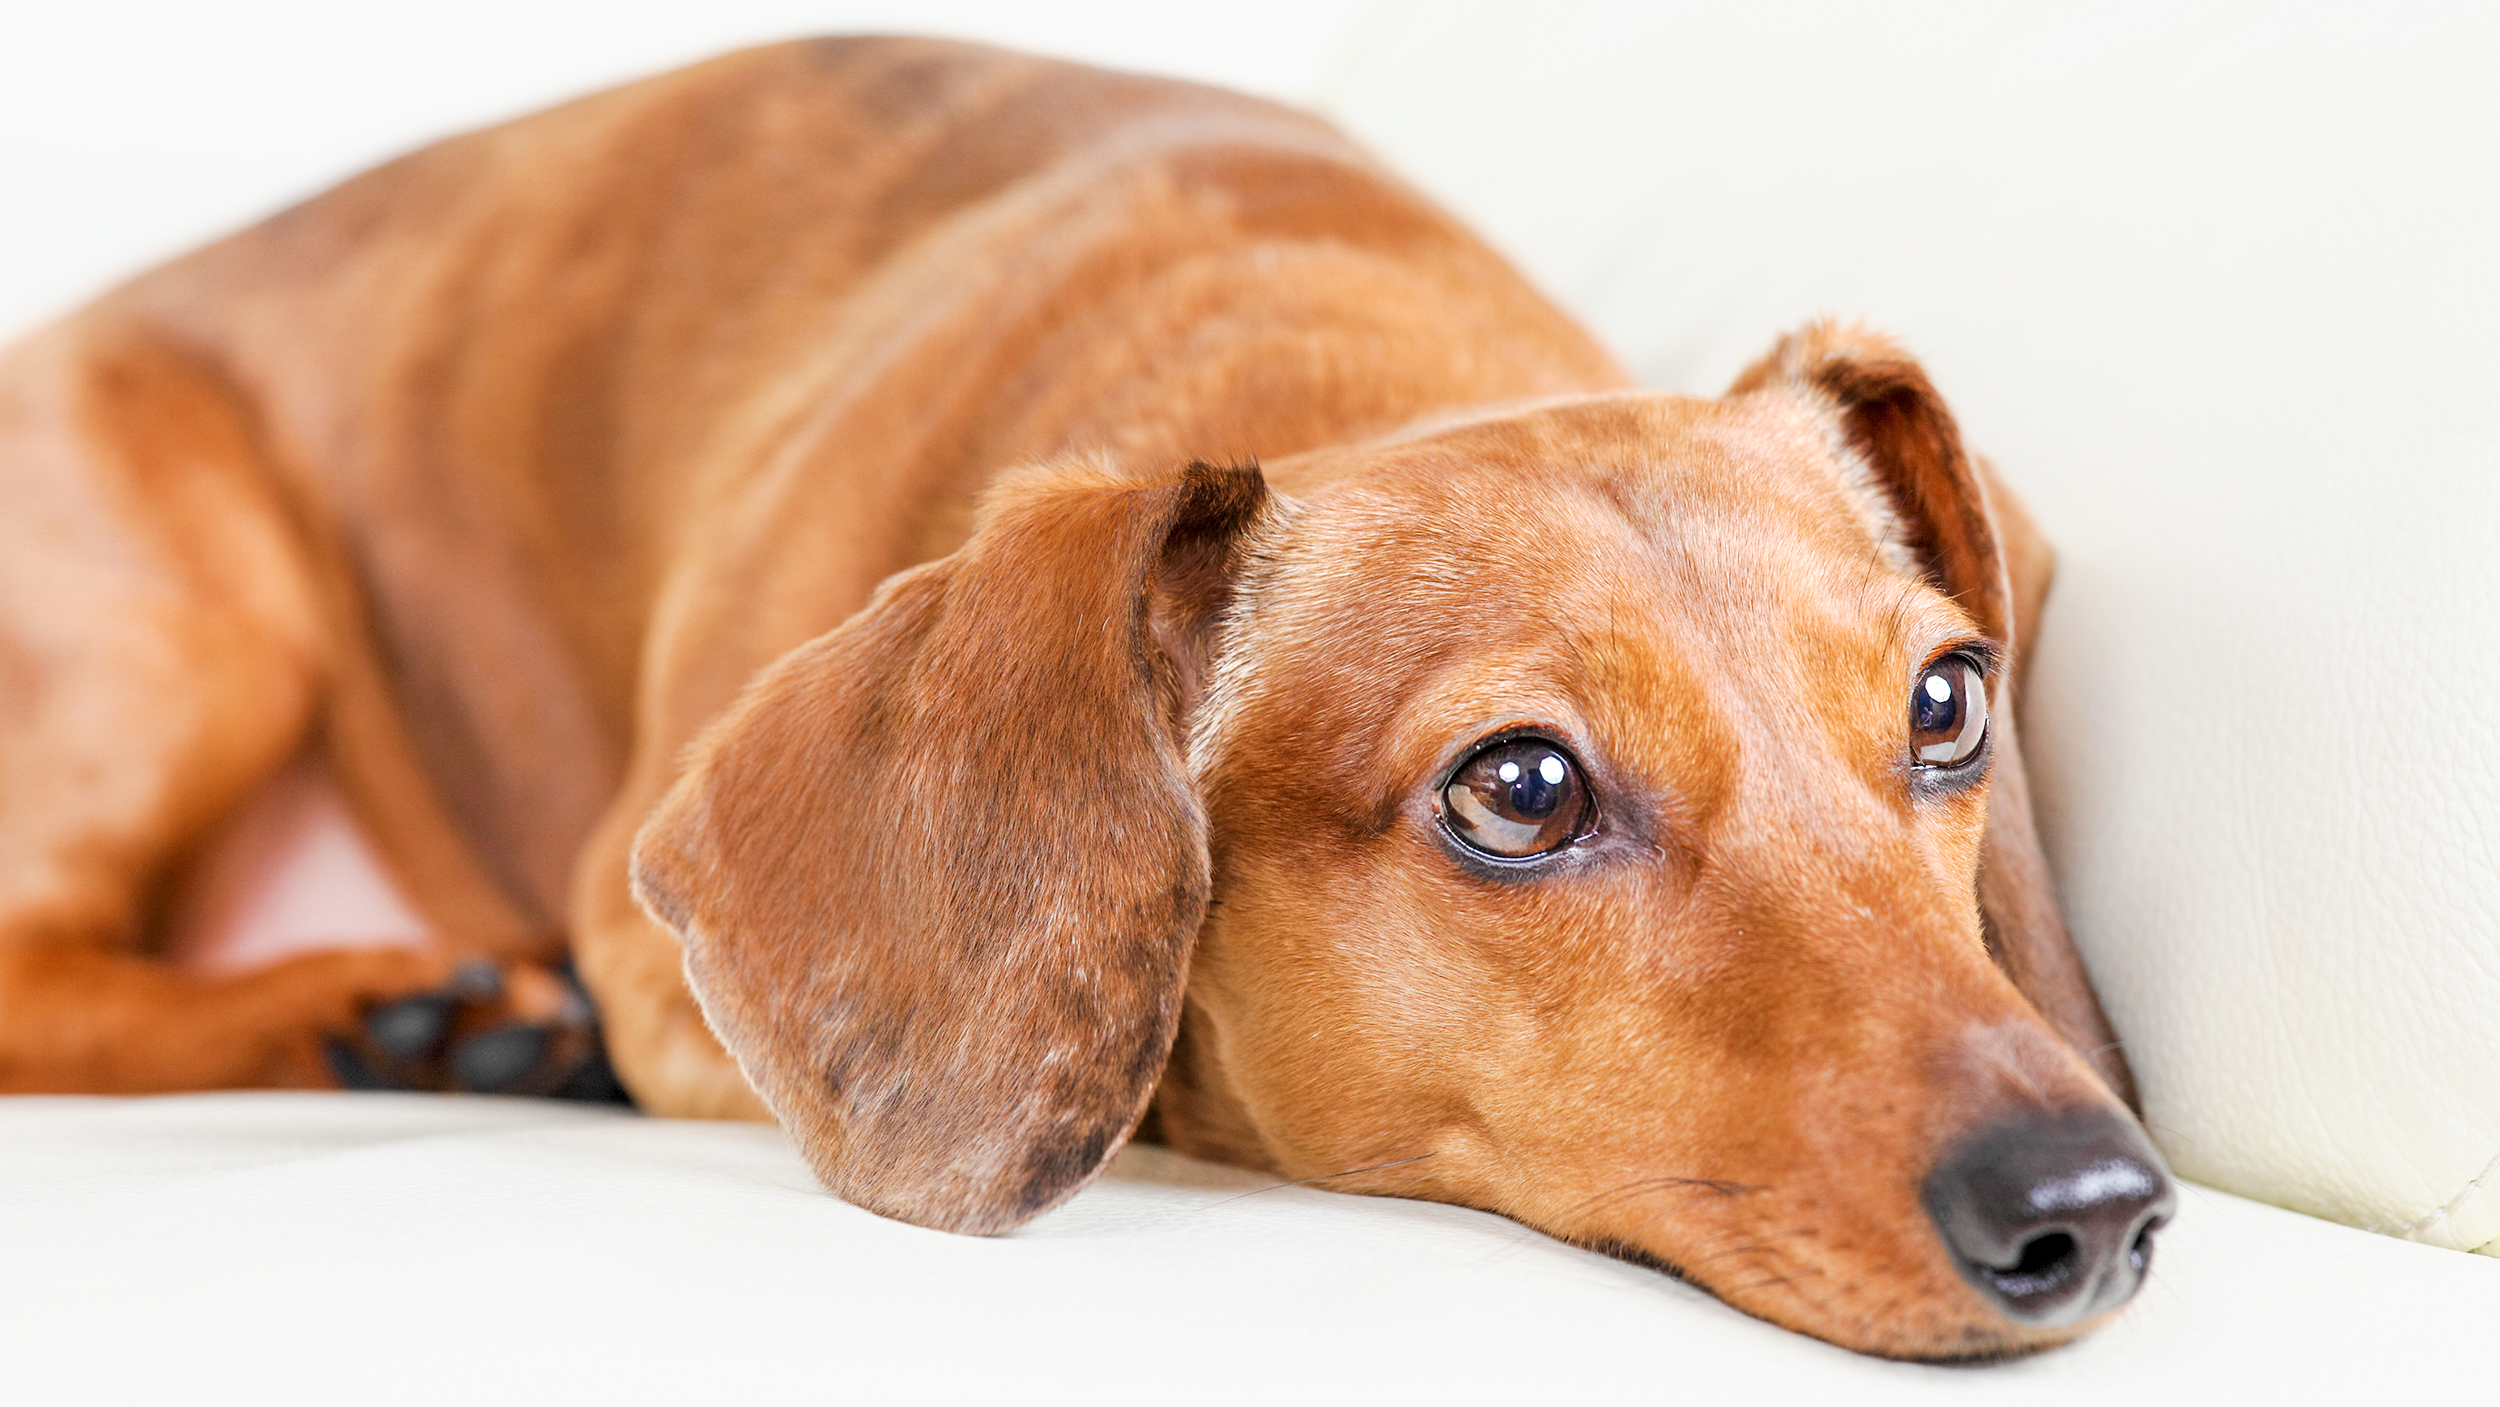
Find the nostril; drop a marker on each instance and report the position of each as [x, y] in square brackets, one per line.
[2051, 1219]
[2140, 1250]
[2047, 1262]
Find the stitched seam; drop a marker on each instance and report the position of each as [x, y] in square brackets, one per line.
[2430, 1219]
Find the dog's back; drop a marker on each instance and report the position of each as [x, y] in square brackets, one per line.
[519, 374]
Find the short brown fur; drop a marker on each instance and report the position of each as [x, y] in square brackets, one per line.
[815, 491]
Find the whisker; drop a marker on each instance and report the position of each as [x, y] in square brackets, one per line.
[1761, 1247]
[1789, 1280]
[1630, 1254]
[1323, 1177]
[1718, 1186]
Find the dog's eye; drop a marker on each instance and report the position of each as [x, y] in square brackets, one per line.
[1517, 799]
[1948, 713]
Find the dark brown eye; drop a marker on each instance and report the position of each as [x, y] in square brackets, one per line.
[1517, 799]
[1948, 713]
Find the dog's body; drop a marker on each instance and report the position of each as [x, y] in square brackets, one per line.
[548, 478]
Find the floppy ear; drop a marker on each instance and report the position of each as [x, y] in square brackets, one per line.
[1975, 543]
[938, 871]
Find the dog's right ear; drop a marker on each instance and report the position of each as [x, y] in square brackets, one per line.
[937, 873]
[1959, 528]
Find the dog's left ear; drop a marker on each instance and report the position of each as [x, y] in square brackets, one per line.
[1975, 543]
[938, 871]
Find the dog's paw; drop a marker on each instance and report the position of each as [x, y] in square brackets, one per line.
[526, 1031]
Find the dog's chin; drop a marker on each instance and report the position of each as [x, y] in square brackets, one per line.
[1945, 1337]
[1937, 1332]
[1975, 1344]
[1969, 1345]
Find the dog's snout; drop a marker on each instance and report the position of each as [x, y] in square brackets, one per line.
[2052, 1218]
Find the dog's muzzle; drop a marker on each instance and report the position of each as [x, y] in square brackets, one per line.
[2051, 1218]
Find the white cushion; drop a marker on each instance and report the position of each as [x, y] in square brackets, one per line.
[275, 1249]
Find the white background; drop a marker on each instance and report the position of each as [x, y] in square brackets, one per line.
[132, 129]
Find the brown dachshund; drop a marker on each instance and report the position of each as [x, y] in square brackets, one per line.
[983, 603]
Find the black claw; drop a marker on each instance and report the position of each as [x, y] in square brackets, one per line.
[497, 1061]
[349, 1066]
[593, 1081]
[413, 1028]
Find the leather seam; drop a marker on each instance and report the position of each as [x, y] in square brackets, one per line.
[2432, 1218]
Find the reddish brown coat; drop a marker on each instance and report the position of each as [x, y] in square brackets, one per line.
[548, 477]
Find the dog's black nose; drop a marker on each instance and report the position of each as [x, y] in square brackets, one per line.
[2052, 1218]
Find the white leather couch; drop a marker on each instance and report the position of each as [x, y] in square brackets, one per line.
[2215, 286]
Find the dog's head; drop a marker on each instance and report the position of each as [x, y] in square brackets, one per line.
[1583, 812]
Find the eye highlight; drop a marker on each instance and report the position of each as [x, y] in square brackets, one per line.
[1516, 800]
[1948, 713]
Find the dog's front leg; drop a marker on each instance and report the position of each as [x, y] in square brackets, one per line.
[159, 657]
[663, 1051]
